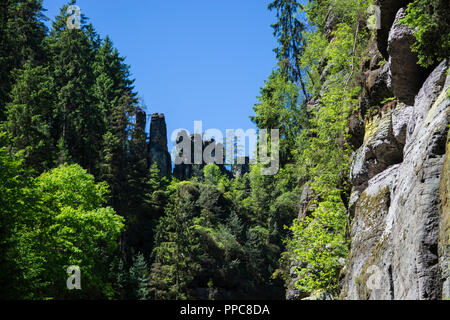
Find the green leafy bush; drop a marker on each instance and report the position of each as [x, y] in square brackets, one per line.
[430, 21]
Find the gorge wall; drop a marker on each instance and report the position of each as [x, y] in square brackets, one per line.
[399, 204]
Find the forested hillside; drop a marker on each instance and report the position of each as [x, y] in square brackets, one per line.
[83, 183]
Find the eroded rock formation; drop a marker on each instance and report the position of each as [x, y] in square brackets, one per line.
[194, 159]
[158, 144]
[406, 76]
[400, 175]
[395, 229]
[389, 9]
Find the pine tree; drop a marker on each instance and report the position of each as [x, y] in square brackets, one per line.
[113, 163]
[157, 195]
[139, 277]
[137, 211]
[112, 76]
[176, 248]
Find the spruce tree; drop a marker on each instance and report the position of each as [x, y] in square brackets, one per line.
[22, 31]
[139, 277]
[79, 119]
[288, 31]
[115, 147]
[30, 117]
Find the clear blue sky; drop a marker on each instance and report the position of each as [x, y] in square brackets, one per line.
[191, 59]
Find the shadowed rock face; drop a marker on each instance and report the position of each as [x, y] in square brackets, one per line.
[383, 145]
[395, 202]
[406, 76]
[192, 167]
[158, 144]
[389, 9]
[185, 170]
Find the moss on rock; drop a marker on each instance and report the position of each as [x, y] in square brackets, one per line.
[444, 223]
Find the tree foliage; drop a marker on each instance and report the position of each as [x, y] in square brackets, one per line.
[429, 20]
[289, 32]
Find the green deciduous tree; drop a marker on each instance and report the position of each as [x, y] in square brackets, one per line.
[76, 230]
[18, 201]
[279, 107]
[176, 246]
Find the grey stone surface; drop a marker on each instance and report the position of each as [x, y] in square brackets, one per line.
[406, 76]
[377, 84]
[306, 202]
[383, 145]
[396, 225]
[444, 223]
[331, 22]
[389, 9]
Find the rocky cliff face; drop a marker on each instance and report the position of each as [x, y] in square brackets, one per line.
[396, 176]
[400, 177]
[444, 224]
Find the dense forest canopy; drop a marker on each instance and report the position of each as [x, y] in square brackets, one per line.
[77, 186]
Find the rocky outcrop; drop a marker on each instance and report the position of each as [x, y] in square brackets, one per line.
[190, 166]
[406, 76]
[398, 183]
[140, 119]
[356, 128]
[158, 144]
[383, 144]
[331, 21]
[184, 170]
[389, 9]
[377, 85]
